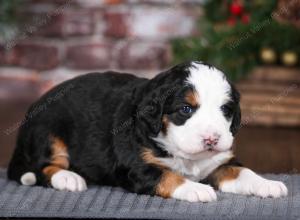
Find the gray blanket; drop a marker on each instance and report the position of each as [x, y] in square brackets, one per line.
[108, 202]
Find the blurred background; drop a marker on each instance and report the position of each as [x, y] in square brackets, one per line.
[257, 43]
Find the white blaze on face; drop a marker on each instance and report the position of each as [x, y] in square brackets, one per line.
[212, 91]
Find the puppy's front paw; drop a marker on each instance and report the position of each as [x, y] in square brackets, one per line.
[269, 188]
[194, 192]
[249, 183]
[67, 180]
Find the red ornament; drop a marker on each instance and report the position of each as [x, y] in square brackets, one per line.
[236, 8]
[231, 21]
[245, 18]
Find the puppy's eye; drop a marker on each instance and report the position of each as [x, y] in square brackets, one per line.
[227, 110]
[186, 110]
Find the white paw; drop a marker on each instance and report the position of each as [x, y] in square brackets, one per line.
[67, 180]
[28, 179]
[269, 188]
[194, 192]
[249, 183]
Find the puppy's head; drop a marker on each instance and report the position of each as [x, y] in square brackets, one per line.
[192, 108]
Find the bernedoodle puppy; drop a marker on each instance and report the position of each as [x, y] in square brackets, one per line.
[170, 136]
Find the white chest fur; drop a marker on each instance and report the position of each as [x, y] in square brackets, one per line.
[197, 170]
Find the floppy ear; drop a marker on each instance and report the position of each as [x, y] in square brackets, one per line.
[150, 110]
[236, 120]
[154, 95]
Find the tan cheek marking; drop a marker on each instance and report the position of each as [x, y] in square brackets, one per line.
[149, 158]
[168, 183]
[191, 98]
[227, 174]
[59, 157]
[165, 123]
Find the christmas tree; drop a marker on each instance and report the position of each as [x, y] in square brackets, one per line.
[237, 35]
[8, 17]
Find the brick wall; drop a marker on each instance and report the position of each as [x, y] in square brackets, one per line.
[59, 39]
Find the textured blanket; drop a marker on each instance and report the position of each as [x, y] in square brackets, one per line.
[108, 202]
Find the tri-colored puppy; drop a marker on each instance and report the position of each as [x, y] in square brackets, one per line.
[170, 136]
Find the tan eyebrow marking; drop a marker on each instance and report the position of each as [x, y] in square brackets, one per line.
[191, 98]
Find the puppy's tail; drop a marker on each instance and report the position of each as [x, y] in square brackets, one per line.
[28, 179]
[20, 170]
[22, 175]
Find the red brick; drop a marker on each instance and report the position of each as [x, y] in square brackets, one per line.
[144, 55]
[35, 56]
[116, 24]
[98, 3]
[89, 56]
[60, 22]
[78, 23]
[49, 1]
[162, 23]
[169, 3]
[82, 3]
[51, 28]
[2, 55]
[113, 2]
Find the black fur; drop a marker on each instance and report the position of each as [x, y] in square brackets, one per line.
[236, 120]
[106, 120]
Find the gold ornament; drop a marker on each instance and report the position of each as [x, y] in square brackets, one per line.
[268, 55]
[289, 58]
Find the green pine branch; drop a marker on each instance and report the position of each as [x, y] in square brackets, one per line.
[235, 49]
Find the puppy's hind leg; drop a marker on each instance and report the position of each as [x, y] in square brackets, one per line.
[57, 172]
